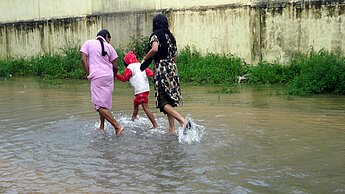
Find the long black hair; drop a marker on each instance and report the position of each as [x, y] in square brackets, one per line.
[160, 23]
[160, 27]
[103, 33]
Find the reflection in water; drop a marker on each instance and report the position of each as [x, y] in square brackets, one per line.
[253, 141]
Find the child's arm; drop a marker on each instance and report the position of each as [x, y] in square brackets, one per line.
[149, 72]
[126, 75]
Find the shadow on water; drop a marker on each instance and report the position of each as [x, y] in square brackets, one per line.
[251, 141]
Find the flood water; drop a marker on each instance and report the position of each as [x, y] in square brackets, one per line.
[254, 140]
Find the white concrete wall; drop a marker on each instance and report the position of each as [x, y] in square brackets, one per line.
[215, 31]
[292, 31]
[253, 30]
[46, 37]
[23, 10]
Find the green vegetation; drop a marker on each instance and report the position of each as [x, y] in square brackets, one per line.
[138, 46]
[314, 72]
[321, 72]
[210, 68]
[67, 65]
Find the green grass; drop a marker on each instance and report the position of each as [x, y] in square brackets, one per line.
[314, 72]
[210, 68]
[321, 72]
[67, 65]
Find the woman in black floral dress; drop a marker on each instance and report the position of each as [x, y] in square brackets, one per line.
[163, 50]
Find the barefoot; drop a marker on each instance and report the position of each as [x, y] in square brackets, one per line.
[118, 131]
[172, 130]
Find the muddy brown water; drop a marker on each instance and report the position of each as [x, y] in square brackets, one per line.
[250, 141]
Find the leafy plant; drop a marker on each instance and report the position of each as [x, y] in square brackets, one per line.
[138, 45]
[270, 73]
[210, 68]
[319, 73]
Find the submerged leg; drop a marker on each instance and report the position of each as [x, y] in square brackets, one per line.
[173, 112]
[171, 123]
[135, 112]
[149, 114]
[109, 117]
[102, 119]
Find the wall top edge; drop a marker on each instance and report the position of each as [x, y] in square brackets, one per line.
[262, 4]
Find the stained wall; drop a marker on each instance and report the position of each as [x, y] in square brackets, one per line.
[253, 30]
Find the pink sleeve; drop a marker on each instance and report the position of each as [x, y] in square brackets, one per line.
[112, 55]
[84, 48]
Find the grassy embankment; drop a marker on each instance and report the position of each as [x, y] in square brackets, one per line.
[314, 72]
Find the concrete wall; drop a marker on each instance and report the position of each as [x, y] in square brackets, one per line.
[22, 10]
[253, 30]
[26, 39]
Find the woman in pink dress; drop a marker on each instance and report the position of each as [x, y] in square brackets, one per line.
[100, 66]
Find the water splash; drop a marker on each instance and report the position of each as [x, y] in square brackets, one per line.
[194, 134]
[142, 126]
[139, 126]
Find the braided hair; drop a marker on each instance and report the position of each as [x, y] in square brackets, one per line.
[103, 33]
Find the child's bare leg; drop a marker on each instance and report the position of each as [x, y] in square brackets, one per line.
[135, 112]
[101, 125]
[109, 117]
[149, 114]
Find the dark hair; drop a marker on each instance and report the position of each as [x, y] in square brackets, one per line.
[160, 22]
[103, 33]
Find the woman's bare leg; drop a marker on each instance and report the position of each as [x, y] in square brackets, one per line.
[171, 123]
[171, 111]
[101, 125]
[109, 117]
[149, 114]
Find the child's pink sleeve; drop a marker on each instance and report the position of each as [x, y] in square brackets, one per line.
[149, 72]
[126, 75]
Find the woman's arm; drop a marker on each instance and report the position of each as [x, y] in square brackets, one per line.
[152, 52]
[115, 67]
[85, 62]
[149, 56]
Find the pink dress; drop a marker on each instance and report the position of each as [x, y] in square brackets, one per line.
[101, 72]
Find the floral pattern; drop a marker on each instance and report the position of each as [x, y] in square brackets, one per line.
[166, 74]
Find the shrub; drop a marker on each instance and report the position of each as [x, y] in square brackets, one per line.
[319, 73]
[210, 68]
[270, 73]
[138, 45]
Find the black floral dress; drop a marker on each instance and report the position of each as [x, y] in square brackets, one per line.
[166, 80]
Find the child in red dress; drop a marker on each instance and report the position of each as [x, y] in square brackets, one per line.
[140, 83]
